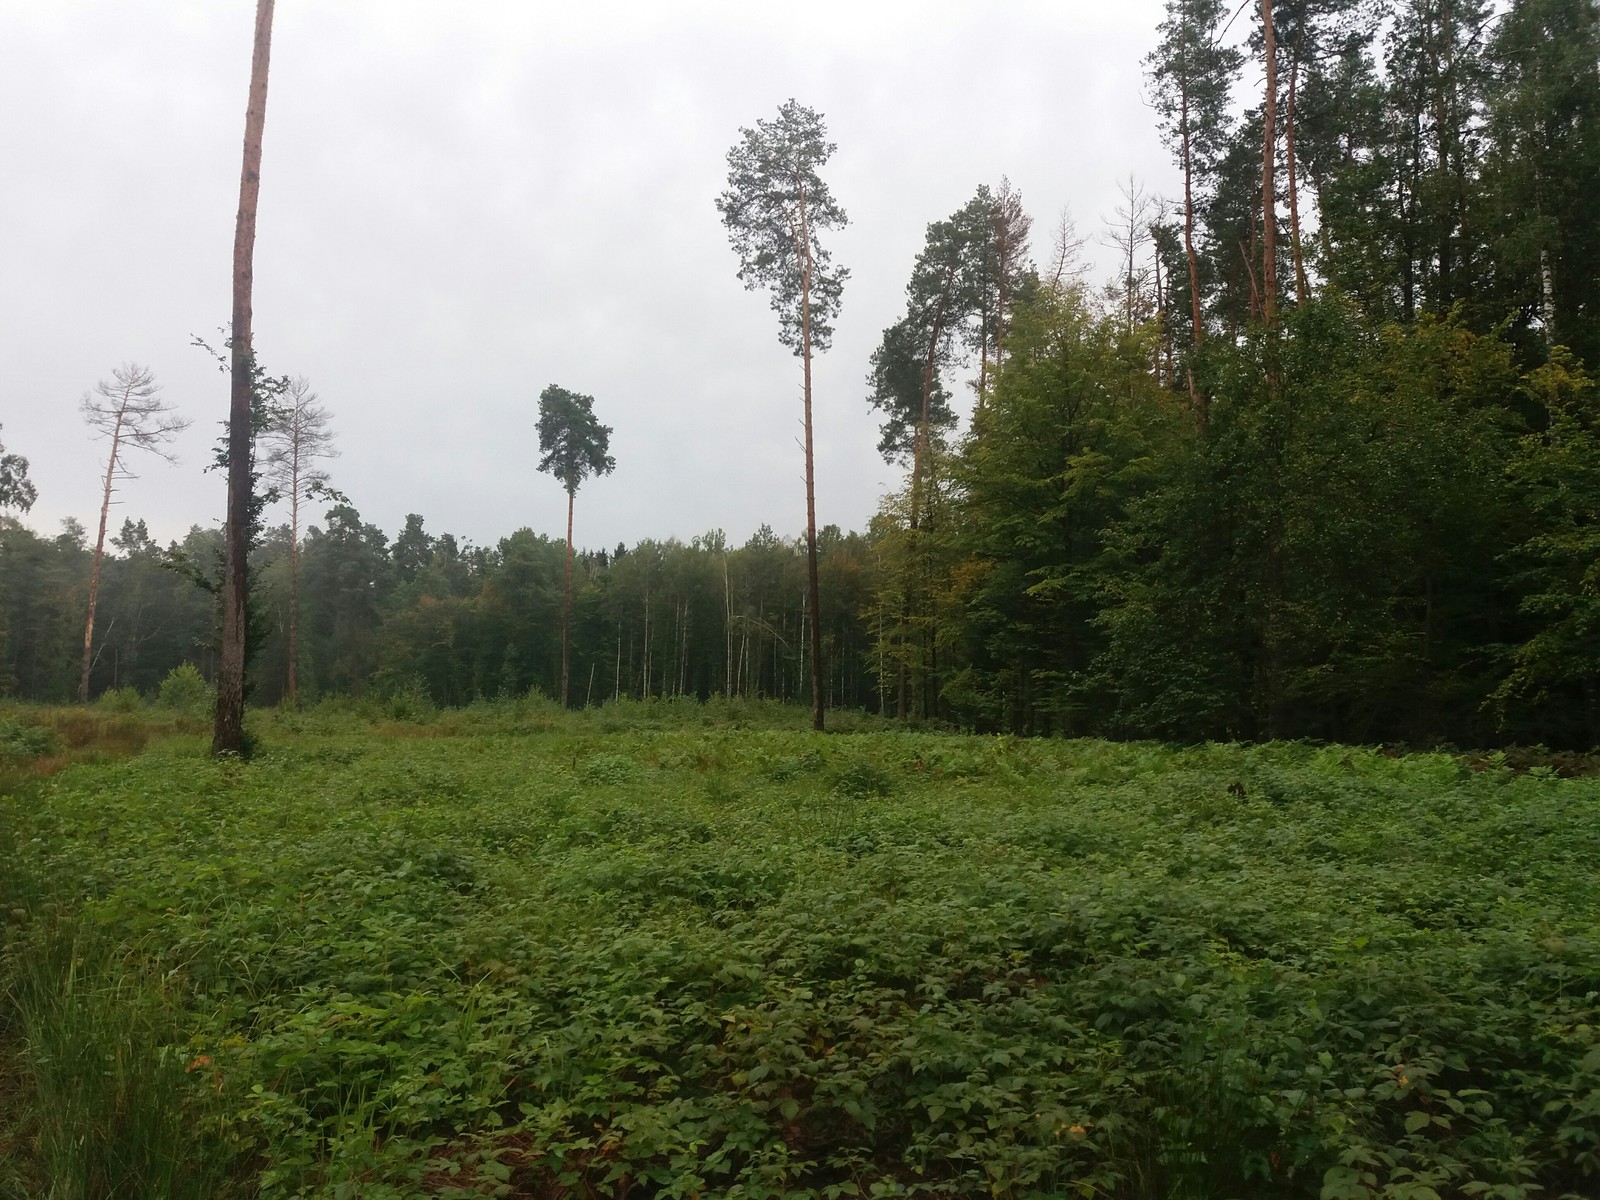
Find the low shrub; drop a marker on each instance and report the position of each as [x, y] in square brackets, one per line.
[122, 700]
[185, 691]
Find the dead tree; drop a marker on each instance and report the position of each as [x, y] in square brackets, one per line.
[298, 439]
[228, 732]
[127, 410]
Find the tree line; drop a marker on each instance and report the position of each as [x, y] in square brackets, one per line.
[1321, 460]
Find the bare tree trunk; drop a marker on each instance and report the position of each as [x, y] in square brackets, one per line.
[683, 663]
[922, 444]
[99, 555]
[727, 628]
[1300, 287]
[294, 583]
[1547, 299]
[811, 489]
[566, 600]
[1197, 323]
[228, 733]
[1197, 331]
[1164, 342]
[1250, 266]
[1269, 175]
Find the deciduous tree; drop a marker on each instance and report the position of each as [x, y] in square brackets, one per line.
[16, 490]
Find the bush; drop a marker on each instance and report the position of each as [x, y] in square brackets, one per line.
[862, 780]
[20, 743]
[123, 699]
[409, 701]
[185, 690]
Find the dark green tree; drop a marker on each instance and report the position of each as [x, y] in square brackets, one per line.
[16, 490]
[574, 446]
[1435, 57]
[1191, 72]
[774, 209]
[1539, 208]
[1557, 667]
[896, 385]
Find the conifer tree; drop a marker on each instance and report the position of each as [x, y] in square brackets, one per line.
[774, 209]
[1191, 74]
[574, 446]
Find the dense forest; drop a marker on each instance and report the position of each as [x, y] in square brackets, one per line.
[1322, 460]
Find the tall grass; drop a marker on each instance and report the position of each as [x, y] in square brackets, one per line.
[99, 1099]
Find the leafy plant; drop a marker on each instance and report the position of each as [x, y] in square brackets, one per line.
[185, 690]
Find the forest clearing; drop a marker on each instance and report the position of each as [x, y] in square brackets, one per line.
[675, 949]
[1199, 590]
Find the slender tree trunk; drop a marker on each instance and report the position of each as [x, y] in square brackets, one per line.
[811, 489]
[566, 602]
[685, 675]
[1443, 126]
[1197, 323]
[1197, 330]
[228, 733]
[1250, 266]
[294, 585]
[99, 552]
[1002, 299]
[727, 628]
[1269, 175]
[1547, 298]
[1164, 345]
[1300, 287]
[922, 443]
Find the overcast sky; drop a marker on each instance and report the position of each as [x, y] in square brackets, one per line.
[464, 202]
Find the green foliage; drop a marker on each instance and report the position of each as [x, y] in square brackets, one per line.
[123, 699]
[16, 490]
[185, 690]
[862, 779]
[699, 960]
[118, 1106]
[774, 193]
[1558, 469]
[19, 742]
[572, 442]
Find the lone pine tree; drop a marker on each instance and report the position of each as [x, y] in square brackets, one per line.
[774, 208]
[573, 445]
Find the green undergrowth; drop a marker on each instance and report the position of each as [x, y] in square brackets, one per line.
[705, 961]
